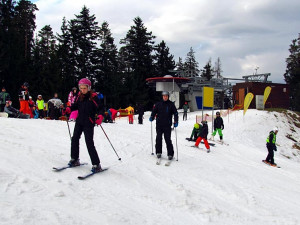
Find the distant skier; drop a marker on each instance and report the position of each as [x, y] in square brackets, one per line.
[72, 96]
[112, 114]
[88, 105]
[218, 127]
[4, 96]
[185, 110]
[140, 112]
[271, 146]
[54, 107]
[130, 111]
[40, 103]
[196, 132]
[12, 112]
[24, 92]
[203, 136]
[23, 98]
[164, 111]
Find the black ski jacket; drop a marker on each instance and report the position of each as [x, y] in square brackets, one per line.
[164, 111]
[87, 108]
[204, 131]
[218, 123]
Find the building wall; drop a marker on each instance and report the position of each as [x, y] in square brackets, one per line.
[278, 98]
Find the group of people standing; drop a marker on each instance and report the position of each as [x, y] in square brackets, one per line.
[30, 108]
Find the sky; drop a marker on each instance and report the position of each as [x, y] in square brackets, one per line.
[248, 36]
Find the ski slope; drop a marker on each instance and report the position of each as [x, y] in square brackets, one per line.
[229, 185]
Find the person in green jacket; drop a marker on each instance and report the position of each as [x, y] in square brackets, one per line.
[271, 146]
[196, 132]
[185, 109]
[4, 96]
[40, 106]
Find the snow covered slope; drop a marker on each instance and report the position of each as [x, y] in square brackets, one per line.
[229, 185]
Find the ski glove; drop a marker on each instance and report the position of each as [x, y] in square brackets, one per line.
[150, 119]
[176, 124]
[99, 120]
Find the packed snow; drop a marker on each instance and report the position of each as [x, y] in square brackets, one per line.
[230, 185]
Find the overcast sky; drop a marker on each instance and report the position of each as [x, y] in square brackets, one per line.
[245, 34]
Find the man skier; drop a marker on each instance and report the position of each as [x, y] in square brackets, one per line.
[185, 108]
[164, 111]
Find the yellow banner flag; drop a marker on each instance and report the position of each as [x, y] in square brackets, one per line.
[247, 101]
[208, 97]
[267, 93]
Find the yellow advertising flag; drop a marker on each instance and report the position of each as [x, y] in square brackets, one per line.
[208, 97]
[247, 101]
[267, 93]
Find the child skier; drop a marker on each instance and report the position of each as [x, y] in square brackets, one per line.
[35, 112]
[40, 106]
[218, 127]
[88, 105]
[130, 111]
[196, 132]
[203, 135]
[271, 145]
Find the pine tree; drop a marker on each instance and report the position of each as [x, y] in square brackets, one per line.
[7, 36]
[180, 68]
[84, 31]
[25, 23]
[164, 60]
[207, 71]
[17, 25]
[46, 80]
[137, 61]
[191, 65]
[108, 80]
[67, 59]
[292, 73]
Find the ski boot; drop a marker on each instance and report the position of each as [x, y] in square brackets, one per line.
[74, 162]
[170, 157]
[221, 140]
[96, 168]
[158, 155]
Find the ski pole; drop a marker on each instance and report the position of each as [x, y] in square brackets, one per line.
[152, 139]
[176, 142]
[110, 142]
[69, 129]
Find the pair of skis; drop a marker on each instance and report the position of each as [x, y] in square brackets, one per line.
[58, 169]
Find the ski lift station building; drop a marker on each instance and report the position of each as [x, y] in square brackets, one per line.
[190, 88]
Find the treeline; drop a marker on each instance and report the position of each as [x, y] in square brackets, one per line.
[292, 73]
[55, 62]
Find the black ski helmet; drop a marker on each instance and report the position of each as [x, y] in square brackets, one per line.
[218, 113]
[26, 84]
